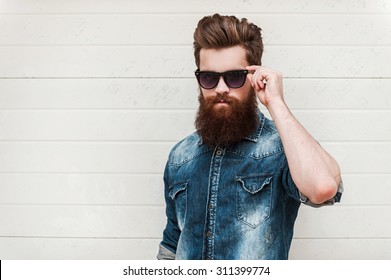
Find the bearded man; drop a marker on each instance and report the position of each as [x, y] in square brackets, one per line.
[233, 188]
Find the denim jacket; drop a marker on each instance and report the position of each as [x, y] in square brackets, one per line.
[236, 202]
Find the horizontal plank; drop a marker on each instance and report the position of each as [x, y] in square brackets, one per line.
[203, 6]
[147, 190]
[347, 125]
[146, 249]
[365, 189]
[341, 249]
[182, 93]
[97, 29]
[361, 157]
[168, 62]
[84, 157]
[82, 189]
[102, 61]
[122, 222]
[82, 221]
[168, 125]
[343, 222]
[173, 93]
[130, 29]
[78, 249]
[337, 93]
[96, 125]
[138, 157]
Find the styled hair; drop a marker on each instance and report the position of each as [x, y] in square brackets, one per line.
[217, 31]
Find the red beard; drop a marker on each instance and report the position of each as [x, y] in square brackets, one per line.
[226, 124]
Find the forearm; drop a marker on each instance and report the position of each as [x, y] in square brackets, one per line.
[314, 171]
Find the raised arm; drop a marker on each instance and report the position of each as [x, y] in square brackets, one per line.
[314, 171]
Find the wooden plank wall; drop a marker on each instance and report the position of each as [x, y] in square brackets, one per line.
[94, 93]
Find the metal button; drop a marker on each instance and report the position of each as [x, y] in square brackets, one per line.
[218, 152]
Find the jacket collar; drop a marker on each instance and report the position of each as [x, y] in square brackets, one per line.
[254, 137]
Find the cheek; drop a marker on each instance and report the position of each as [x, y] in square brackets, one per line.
[243, 94]
[250, 91]
[248, 86]
[203, 95]
[207, 92]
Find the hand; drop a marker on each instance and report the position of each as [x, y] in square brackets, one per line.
[267, 84]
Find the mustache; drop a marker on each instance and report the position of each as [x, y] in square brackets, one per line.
[221, 98]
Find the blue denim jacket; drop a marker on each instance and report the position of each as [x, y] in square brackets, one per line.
[236, 202]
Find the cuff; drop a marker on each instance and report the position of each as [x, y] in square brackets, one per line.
[165, 254]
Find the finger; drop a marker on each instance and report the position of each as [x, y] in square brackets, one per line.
[259, 78]
[255, 82]
[261, 85]
[250, 79]
[253, 67]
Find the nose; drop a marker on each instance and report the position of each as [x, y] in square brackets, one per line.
[222, 87]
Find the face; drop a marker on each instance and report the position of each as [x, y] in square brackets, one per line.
[222, 60]
[225, 115]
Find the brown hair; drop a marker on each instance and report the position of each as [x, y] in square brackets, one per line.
[216, 31]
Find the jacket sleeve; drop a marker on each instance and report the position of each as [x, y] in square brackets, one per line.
[165, 254]
[171, 233]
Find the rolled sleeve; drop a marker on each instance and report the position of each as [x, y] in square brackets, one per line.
[165, 254]
[331, 201]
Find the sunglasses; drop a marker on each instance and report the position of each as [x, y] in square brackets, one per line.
[209, 79]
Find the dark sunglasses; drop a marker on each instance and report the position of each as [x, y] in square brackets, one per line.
[209, 79]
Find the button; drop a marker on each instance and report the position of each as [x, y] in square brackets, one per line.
[218, 152]
[208, 233]
[210, 206]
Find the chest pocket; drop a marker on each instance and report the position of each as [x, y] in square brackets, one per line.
[178, 193]
[253, 200]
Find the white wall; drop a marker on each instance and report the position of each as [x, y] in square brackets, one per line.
[94, 93]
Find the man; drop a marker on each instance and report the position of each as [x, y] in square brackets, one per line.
[234, 187]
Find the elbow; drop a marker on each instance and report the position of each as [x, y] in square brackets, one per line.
[324, 191]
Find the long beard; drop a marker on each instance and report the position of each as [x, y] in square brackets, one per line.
[228, 124]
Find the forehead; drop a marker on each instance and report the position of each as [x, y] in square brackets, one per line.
[224, 59]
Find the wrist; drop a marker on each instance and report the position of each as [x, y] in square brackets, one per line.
[276, 106]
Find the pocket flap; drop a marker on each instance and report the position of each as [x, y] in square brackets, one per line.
[176, 188]
[254, 184]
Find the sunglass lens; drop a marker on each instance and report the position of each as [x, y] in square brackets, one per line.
[208, 80]
[235, 79]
